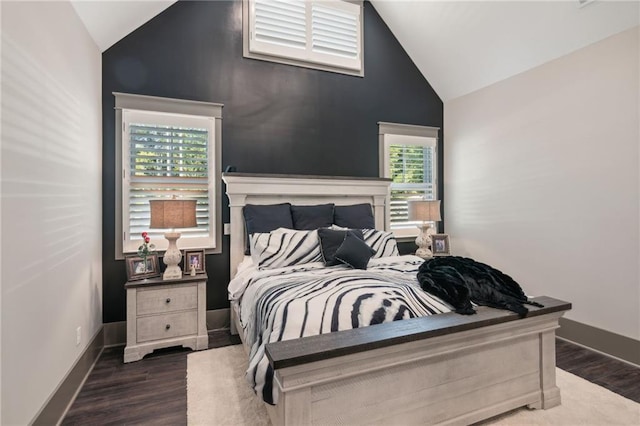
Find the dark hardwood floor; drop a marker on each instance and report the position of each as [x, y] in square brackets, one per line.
[154, 391]
[617, 376]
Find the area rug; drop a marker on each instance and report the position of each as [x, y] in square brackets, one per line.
[217, 394]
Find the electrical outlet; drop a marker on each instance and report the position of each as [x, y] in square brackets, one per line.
[78, 335]
[227, 229]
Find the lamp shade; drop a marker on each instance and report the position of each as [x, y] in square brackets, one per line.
[424, 210]
[166, 214]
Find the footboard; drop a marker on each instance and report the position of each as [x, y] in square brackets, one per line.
[443, 369]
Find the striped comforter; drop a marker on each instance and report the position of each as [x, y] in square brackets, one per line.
[292, 302]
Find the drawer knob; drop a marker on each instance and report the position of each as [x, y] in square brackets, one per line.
[168, 326]
[168, 300]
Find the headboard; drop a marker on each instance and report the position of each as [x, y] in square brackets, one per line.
[249, 188]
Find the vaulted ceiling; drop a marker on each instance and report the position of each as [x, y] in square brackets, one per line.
[463, 46]
[459, 46]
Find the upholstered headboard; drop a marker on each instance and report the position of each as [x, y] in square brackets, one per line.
[248, 188]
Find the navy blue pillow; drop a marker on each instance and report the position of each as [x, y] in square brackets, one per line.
[312, 217]
[354, 251]
[265, 218]
[359, 216]
[330, 241]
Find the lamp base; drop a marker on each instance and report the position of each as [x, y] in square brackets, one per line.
[172, 257]
[423, 241]
[172, 273]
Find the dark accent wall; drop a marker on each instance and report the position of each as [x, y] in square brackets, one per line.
[276, 118]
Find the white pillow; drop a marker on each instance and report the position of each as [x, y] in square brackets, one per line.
[285, 247]
[383, 242]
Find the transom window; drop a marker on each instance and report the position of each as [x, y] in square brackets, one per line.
[323, 34]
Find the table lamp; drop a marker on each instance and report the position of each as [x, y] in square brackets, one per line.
[425, 211]
[171, 214]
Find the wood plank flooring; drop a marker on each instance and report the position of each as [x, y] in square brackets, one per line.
[151, 391]
[617, 376]
[154, 390]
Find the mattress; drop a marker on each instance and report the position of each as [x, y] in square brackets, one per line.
[311, 299]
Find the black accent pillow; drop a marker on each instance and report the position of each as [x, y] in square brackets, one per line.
[330, 241]
[265, 218]
[312, 217]
[358, 216]
[354, 252]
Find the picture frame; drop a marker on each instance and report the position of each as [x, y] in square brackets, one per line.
[136, 270]
[440, 245]
[194, 257]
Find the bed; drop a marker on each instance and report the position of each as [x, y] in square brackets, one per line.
[439, 369]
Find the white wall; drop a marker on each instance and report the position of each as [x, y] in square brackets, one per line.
[541, 180]
[51, 200]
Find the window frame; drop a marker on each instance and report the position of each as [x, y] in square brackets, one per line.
[386, 133]
[169, 106]
[278, 55]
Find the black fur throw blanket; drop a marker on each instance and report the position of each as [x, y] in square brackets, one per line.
[460, 281]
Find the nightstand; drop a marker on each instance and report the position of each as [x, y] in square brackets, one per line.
[163, 313]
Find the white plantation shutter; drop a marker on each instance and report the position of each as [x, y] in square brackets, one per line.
[281, 22]
[412, 171]
[166, 155]
[325, 32]
[334, 31]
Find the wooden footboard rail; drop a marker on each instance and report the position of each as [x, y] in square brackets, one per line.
[442, 369]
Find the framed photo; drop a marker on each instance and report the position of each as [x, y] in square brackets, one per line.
[138, 270]
[195, 259]
[440, 245]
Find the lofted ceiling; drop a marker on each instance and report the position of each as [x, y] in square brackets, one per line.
[463, 46]
[459, 46]
[109, 21]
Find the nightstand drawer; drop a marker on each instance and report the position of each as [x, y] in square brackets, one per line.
[166, 299]
[157, 327]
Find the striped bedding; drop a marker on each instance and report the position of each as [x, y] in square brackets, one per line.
[305, 300]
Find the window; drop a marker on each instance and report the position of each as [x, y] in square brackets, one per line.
[323, 34]
[409, 158]
[168, 148]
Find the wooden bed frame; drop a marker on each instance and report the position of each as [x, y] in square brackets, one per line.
[442, 369]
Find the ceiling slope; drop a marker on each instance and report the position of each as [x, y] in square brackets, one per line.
[463, 46]
[110, 21]
[459, 46]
